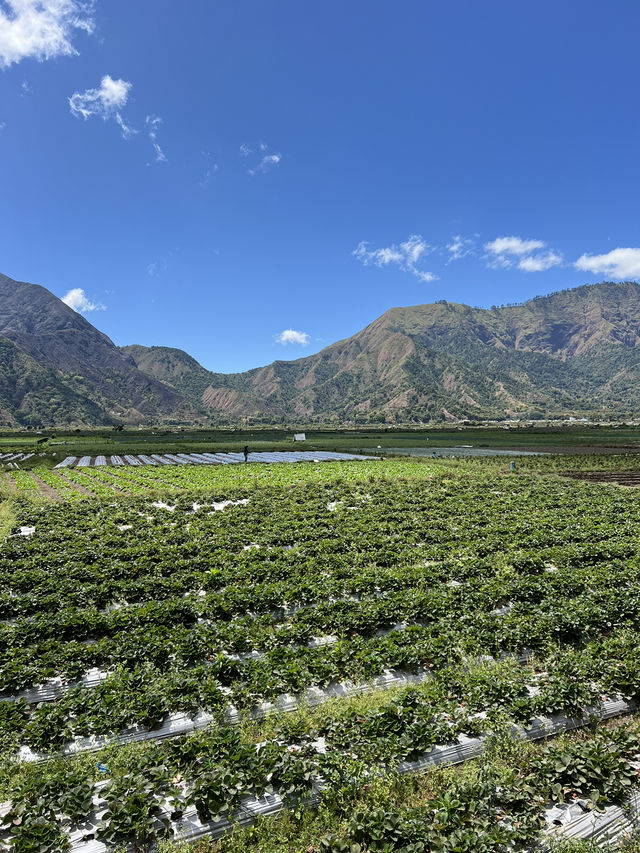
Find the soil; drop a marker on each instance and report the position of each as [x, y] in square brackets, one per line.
[45, 489]
[618, 478]
[79, 488]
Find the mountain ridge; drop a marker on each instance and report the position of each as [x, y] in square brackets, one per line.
[77, 374]
[554, 355]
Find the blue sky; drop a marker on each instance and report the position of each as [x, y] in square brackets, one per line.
[211, 174]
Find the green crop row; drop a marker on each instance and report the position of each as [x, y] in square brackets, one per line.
[338, 756]
[451, 567]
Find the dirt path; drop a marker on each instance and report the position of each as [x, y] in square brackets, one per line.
[77, 487]
[618, 478]
[45, 489]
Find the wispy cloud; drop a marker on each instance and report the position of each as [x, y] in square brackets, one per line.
[153, 123]
[41, 29]
[513, 246]
[157, 268]
[105, 102]
[3, 124]
[406, 256]
[78, 300]
[460, 247]
[539, 262]
[208, 176]
[265, 161]
[526, 255]
[291, 336]
[621, 264]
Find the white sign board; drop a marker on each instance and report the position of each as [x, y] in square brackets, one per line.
[300, 436]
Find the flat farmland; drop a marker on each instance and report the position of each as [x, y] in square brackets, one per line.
[283, 655]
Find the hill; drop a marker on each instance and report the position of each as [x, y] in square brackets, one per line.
[569, 353]
[58, 369]
[575, 352]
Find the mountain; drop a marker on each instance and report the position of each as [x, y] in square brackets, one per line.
[575, 352]
[569, 353]
[58, 369]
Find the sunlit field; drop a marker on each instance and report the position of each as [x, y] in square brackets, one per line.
[185, 649]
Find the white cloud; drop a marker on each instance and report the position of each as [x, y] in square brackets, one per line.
[507, 252]
[153, 123]
[619, 263]
[3, 125]
[106, 102]
[513, 246]
[406, 256]
[41, 29]
[267, 162]
[78, 300]
[290, 336]
[539, 263]
[460, 247]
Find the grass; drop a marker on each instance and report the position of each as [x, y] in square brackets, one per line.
[7, 519]
[7, 512]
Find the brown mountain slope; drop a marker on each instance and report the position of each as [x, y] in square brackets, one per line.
[557, 355]
[554, 355]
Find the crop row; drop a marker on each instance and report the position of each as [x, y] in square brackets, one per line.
[174, 681]
[135, 588]
[190, 603]
[205, 477]
[61, 485]
[296, 607]
[212, 771]
[450, 620]
[24, 482]
[382, 528]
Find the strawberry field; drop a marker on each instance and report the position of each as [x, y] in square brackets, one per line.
[183, 650]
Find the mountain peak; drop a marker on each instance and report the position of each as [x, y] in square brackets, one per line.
[555, 355]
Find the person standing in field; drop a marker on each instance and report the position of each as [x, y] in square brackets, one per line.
[245, 450]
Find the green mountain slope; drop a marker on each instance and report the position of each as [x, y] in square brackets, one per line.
[58, 369]
[567, 353]
[576, 352]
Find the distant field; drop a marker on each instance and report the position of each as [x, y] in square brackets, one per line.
[44, 483]
[389, 613]
[572, 440]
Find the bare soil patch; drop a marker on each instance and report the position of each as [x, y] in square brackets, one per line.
[618, 478]
[45, 489]
[79, 488]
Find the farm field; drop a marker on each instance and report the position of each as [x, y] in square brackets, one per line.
[48, 449]
[185, 648]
